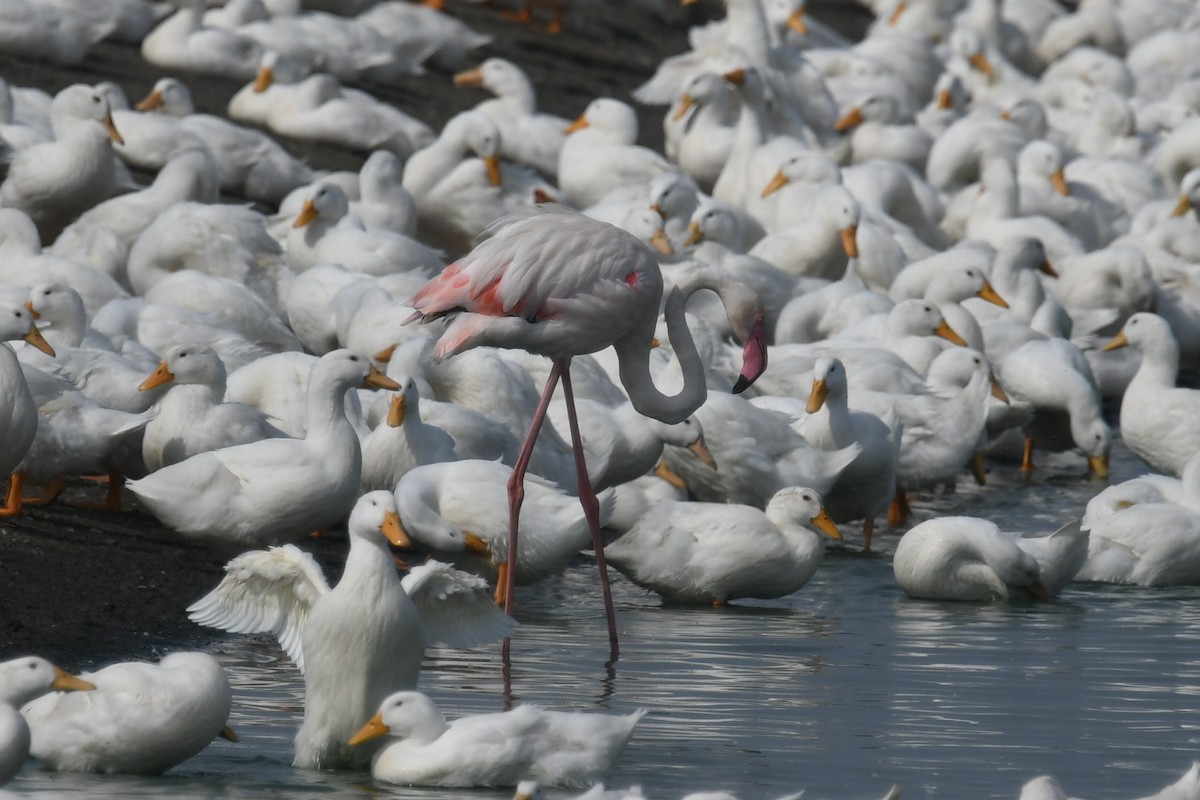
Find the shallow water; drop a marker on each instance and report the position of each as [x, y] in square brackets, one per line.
[842, 689]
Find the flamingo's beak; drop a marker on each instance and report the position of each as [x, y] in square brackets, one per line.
[754, 357]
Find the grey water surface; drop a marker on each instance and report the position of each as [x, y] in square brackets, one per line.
[841, 689]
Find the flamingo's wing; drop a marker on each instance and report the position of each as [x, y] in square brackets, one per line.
[456, 607]
[533, 259]
[265, 591]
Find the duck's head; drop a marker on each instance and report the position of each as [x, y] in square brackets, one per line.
[349, 369]
[714, 223]
[1139, 330]
[404, 715]
[415, 499]
[17, 322]
[192, 364]
[24, 679]
[802, 504]
[328, 202]
[920, 318]
[55, 303]
[170, 96]
[375, 513]
[80, 102]
[829, 381]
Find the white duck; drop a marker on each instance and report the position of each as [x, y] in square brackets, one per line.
[622, 444]
[187, 176]
[322, 234]
[821, 246]
[459, 185]
[227, 303]
[248, 162]
[950, 288]
[17, 408]
[758, 454]
[275, 76]
[181, 42]
[192, 416]
[422, 28]
[319, 109]
[459, 510]
[700, 127]
[23, 680]
[601, 155]
[1145, 489]
[76, 436]
[54, 182]
[402, 441]
[1149, 544]
[995, 217]
[360, 640]
[526, 136]
[275, 488]
[556, 748]
[383, 202]
[141, 719]
[227, 241]
[942, 427]
[1159, 421]
[148, 141]
[1054, 376]
[863, 489]
[713, 553]
[967, 558]
[715, 234]
[877, 129]
[83, 356]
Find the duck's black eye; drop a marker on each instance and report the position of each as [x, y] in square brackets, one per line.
[354, 358]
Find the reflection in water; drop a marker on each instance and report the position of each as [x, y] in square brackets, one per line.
[842, 689]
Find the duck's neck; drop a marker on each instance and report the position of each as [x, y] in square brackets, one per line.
[750, 133]
[67, 330]
[803, 541]
[748, 29]
[971, 401]
[519, 94]
[325, 415]
[640, 439]
[369, 568]
[1160, 362]
[430, 165]
[837, 418]
[12, 380]
[188, 401]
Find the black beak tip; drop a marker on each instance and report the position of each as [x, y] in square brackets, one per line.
[742, 384]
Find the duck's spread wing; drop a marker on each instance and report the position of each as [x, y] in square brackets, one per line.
[265, 591]
[456, 607]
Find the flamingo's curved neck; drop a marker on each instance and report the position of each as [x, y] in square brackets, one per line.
[633, 352]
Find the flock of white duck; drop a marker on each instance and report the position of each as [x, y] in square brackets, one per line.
[942, 223]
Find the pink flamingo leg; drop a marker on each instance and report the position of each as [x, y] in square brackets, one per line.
[516, 481]
[591, 509]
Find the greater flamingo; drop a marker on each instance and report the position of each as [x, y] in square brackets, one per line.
[557, 283]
